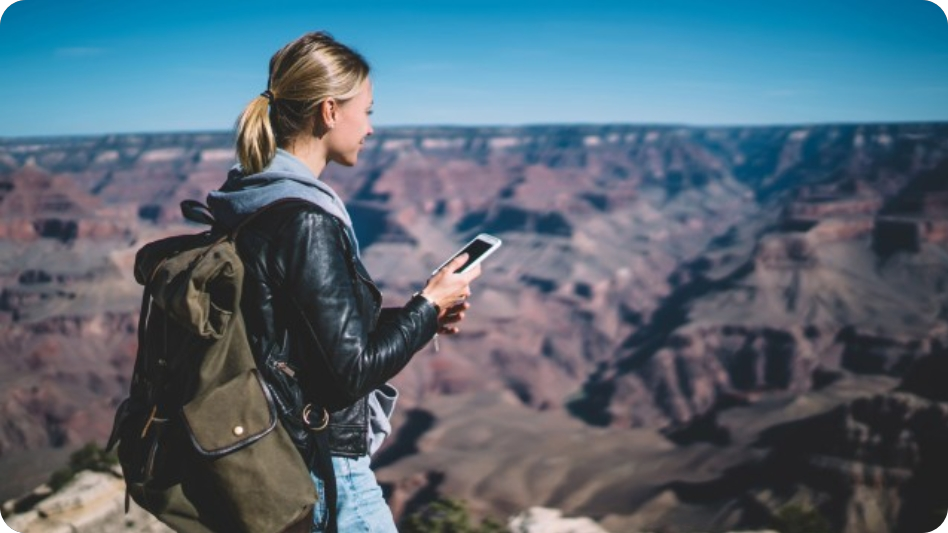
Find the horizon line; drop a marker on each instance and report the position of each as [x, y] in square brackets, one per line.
[381, 129]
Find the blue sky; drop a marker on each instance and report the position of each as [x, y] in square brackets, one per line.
[105, 66]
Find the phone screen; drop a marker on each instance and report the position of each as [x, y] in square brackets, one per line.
[473, 251]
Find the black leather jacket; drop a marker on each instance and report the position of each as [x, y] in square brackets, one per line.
[316, 324]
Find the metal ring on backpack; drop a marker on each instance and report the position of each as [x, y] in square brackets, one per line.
[306, 412]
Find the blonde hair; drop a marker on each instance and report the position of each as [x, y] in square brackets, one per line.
[303, 74]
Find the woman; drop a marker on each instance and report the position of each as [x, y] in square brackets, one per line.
[314, 317]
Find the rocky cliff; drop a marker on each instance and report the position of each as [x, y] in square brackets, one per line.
[653, 279]
[871, 464]
[94, 503]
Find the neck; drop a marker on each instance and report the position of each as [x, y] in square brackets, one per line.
[310, 151]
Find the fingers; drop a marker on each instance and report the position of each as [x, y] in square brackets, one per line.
[453, 315]
[450, 319]
[473, 273]
[448, 272]
[457, 308]
[456, 263]
[449, 289]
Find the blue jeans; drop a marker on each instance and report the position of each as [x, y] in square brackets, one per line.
[360, 507]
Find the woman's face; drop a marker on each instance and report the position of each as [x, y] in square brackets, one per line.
[351, 127]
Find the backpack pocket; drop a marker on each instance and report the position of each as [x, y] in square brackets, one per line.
[231, 416]
[248, 463]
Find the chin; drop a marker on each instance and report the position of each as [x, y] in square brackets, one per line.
[346, 161]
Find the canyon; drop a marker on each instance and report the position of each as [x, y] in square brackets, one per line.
[686, 327]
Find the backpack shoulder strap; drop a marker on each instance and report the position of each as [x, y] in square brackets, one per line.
[196, 211]
[269, 207]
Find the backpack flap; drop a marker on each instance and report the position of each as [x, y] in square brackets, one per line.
[230, 417]
[197, 285]
[152, 255]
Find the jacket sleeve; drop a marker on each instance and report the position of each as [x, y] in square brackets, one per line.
[318, 276]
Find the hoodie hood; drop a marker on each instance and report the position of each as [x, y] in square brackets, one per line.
[285, 177]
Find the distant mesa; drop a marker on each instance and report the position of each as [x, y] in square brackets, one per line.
[509, 218]
[673, 294]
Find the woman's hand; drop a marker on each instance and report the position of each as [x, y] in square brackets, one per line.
[452, 316]
[450, 291]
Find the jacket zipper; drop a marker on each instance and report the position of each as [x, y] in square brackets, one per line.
[378, 306]
[353, 259]
[285, 368]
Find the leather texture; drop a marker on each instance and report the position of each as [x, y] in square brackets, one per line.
[314, 317]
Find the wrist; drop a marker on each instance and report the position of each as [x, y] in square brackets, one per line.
[430, 300]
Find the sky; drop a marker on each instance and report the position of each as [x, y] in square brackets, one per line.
[105, 66]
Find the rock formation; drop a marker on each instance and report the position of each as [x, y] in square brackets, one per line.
[94, 502]
[658, 281]
[542, 520]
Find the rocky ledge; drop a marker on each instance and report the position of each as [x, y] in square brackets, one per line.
[94, 503]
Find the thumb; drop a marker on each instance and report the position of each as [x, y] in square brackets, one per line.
[457, 263]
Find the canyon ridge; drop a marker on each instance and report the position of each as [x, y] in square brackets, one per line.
[686, 328]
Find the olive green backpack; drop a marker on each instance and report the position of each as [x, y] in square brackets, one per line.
[199, 439]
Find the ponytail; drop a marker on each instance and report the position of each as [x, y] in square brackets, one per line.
[256, 144]
[302, 75]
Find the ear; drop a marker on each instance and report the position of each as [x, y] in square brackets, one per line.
[327, 111]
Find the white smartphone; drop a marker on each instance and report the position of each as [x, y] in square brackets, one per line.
[477, 250]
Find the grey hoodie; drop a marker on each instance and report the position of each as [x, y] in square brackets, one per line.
[285, 177]
[288, 177]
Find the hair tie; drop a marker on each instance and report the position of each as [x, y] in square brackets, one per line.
[268, 95]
